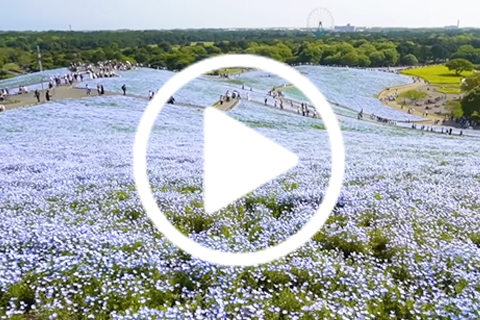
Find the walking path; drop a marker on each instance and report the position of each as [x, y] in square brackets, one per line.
[64, 92]
[419, 86]
[225, 105]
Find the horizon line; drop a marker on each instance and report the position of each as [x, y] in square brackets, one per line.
[237, 29]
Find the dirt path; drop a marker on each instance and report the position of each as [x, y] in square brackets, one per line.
[393, 104]
[225, 105]
[420, 86]
[61, 93]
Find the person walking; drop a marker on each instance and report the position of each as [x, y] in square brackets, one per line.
[37, 95]
[124, 89]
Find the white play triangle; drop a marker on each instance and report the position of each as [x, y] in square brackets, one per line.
[237, 160]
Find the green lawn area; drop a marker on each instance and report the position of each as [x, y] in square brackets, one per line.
[438, 75]
[450, 89]
[228, 71]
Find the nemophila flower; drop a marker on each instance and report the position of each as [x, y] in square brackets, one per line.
[75, 238]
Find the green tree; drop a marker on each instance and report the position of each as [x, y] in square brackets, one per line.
[413, 95]
[455, 107]
[377, 58]
[439, 52]
[350, 59]
[367, 49]
[333, 59]
[467, 52]
[459, 66]
[471, 102]
[409, 60]
[310, 53]
[363, 60]
[475, 116]
[391, 56]
[407, 47]
[471, 82]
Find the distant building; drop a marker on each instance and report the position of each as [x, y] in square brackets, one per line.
[347, 28]
[453, 27]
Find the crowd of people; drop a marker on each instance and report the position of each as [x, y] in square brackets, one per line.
[104, 67]
[279, 100]
[465, 123]
[107, 70]
[441, 130]
[67, 79]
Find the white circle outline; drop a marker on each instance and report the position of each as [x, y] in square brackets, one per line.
[140, 161]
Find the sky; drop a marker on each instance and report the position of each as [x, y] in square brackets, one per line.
[185, 14]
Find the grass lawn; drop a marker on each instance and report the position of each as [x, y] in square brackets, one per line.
[450, 89]
[229, 71]
[438, 75]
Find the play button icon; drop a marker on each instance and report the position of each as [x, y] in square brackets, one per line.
[237, 160]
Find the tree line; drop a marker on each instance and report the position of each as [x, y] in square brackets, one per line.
[176, 49]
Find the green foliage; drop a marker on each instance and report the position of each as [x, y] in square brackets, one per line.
[455, 107]
[471, 102]
[459, 65]
[475, 116]
[176, 49]
[467, 52]
[471, 82]
[475, 238]
[413, 95]
[409, 60]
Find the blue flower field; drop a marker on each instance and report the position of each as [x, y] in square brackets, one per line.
[75, 243]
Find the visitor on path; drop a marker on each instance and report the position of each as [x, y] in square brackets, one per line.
[124, 89]
[102, 89]
[47, 95]
[88, 89]
[37, 95]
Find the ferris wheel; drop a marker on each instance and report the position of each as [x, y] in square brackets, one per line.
[320, 21]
